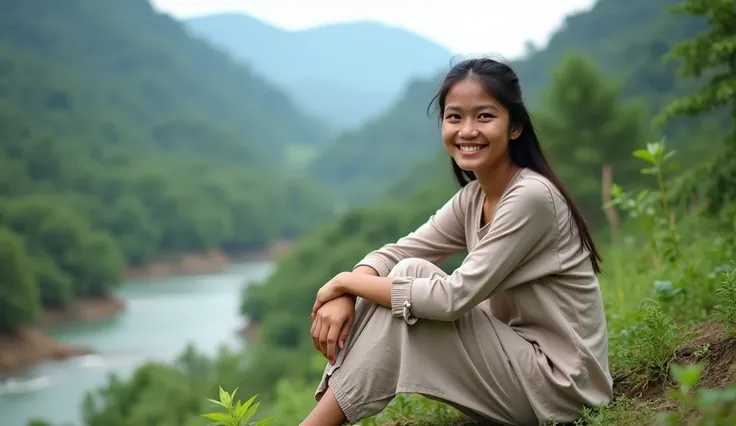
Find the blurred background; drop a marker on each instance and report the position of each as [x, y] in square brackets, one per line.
[179, 177]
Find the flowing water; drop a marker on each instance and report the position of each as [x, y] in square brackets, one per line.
[162, 316]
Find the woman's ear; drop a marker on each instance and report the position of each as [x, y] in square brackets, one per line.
[515, 131]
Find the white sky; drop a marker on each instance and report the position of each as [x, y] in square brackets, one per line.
[463, 26]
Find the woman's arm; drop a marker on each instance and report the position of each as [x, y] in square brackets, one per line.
[370, 287]
[526, 222]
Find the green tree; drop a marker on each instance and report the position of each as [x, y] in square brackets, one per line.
[711, 54]
[18, 290]
[586, 126]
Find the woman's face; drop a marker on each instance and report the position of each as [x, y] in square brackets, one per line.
[475, 127]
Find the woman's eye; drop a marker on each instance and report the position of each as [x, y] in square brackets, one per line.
[486, 116]
[452, 117]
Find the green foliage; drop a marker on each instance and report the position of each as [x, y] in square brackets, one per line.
[725, 311]
[237, 413]
[710, 55]
[408, 409]
[18, 290]
[361, 164]
[656, 221]
[587, 126]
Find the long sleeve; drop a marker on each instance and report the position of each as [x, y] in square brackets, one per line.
[523, 233]
[440, 237]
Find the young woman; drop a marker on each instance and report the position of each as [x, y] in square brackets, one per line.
[517, 334]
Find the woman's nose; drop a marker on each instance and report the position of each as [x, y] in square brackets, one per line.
[468, 132]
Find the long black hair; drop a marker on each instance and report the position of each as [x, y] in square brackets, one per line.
[500, 81]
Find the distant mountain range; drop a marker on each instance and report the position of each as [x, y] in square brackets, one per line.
[345, 73]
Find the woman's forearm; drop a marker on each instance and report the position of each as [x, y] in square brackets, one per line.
[367, 270]
[367, 286]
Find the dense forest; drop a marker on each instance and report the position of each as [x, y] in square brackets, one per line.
[121, 145]
[636, 106]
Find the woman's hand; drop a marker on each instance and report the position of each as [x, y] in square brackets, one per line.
[331, 325]
[328, 292]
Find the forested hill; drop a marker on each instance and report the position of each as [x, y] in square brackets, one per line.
[635, 58]
[146, 69]
[123, 140]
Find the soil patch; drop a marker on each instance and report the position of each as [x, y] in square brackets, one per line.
[183, 264]
[251, 332]
[709, 345]
[30, 346]
[82, 311]
[207, 262]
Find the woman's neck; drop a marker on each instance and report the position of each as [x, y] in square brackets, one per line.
[494, 182]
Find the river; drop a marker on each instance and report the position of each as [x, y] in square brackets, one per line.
[162, 316]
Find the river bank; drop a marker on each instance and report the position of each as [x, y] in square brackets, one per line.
[31, 345]
[207, 262]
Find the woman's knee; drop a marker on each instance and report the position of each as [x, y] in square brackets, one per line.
[414, 267]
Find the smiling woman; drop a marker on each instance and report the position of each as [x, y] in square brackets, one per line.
[515, 335]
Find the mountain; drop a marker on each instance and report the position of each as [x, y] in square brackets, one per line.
[346, 73]
[625, 40]
[124, 141]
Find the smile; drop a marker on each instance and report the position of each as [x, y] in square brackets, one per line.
[470, 149]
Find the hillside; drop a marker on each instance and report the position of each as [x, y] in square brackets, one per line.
[346, 72]
[120, 145]
[361, 163]
[635, 58]
[179, 88]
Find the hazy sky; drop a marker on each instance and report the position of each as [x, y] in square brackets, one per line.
[463, 26]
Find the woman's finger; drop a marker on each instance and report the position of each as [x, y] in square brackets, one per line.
[317, 305]
[316, 328]
[332, 336]
[325, 328]
[345, 332]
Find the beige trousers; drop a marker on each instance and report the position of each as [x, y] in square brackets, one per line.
[462, 363]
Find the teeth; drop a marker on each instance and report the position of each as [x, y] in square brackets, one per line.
[470, 148]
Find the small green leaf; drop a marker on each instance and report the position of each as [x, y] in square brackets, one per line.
[223, 419]
[225, 397]
[232, 397]
[645, 155]
[217, 402]
[246, 405]
[252, 411]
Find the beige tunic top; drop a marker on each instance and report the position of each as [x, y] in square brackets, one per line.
[530, 268]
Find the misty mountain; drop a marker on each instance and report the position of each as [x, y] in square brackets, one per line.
[345, 73]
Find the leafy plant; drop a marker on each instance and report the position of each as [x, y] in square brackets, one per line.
[237, 414]
[657, 221]
[726, 310]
